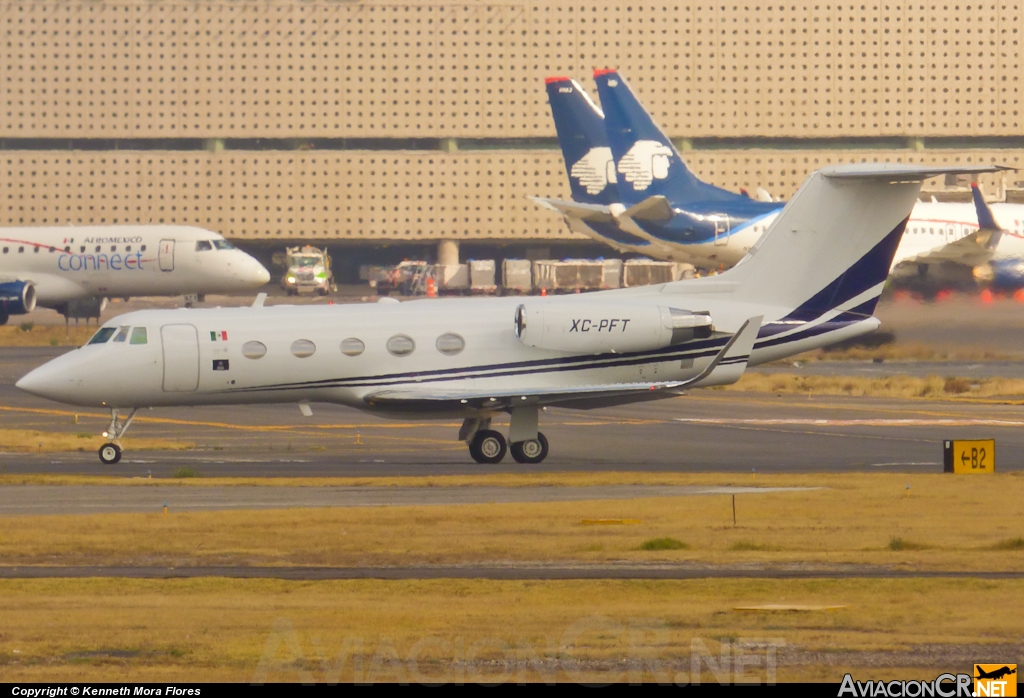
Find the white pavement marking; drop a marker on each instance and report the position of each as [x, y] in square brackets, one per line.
[882, 465]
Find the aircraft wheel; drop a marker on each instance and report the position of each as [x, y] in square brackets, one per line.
[110, 454]
[532, 451]
[488, 447]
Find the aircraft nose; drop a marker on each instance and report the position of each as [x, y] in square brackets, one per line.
[52, 380]
[250, 271]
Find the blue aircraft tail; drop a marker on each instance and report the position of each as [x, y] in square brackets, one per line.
[647, 162]
[986, 221]
[581, 134]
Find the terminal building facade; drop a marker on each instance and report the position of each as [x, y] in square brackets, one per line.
[413, 122]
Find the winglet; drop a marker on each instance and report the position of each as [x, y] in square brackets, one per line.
[986, 221]
[260, 298]
[732, 358]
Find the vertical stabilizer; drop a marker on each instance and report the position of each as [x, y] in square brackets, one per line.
[647, 164]
[584, 143]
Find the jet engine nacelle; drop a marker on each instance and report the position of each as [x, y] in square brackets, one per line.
[17, 298]
[600, 327]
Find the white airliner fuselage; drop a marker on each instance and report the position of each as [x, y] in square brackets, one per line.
[932, 225]
[64, 264]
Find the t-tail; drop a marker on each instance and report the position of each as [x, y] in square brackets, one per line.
[824, 260]
[648, 164]
[581, 135]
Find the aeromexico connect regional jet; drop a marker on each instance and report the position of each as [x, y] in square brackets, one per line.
[55, 267]
[632, 191]
[811, 280]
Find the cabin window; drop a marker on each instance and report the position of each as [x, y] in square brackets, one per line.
[99, 248]
[303, 348]
[6, 250]
[142, 249]
[223, 245]
[103, 335]
[401, 345]
[450, 344]
[254, 350]
[113, 248]
[83, 249]
[122, 334]
[20, 250]
[67, 248]
[352, 347]
[139, 336]
[53, 249]
[128, 248]
[203, 246]
[36, 249]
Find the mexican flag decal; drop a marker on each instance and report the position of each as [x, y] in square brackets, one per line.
[221, 336]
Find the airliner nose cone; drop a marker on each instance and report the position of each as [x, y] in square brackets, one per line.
[46, 381]
[262, 275]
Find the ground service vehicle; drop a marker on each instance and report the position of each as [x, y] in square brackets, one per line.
[308, 270]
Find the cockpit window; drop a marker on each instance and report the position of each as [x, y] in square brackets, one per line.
[223, 245]
[139, 335]
[103, 335]
[203, 245]
[122, 334]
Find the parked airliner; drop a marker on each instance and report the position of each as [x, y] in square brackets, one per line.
[53, 267]
[632, 190]
[811, 280]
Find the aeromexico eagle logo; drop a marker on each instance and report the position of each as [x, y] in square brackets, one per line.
[645, 162]
[595, 170]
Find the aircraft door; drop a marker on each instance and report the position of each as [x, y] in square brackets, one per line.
[722, 231]
[166, 255]
[181, 358]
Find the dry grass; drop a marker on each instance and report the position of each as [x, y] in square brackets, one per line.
[851, 521]
[267, 630]
[28, 441]
[899, 351]
[905, 387]
[11, 335]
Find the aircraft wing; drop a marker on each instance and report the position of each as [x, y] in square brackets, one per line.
[726, 367]
[584, 212]
[970, 250]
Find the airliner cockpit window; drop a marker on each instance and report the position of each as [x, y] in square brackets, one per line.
[103, 335]
[122, 334]
[223, 245]
[203, 245]
[139, 335]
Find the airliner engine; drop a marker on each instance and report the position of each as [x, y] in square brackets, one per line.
[16, 298]
[599, 327]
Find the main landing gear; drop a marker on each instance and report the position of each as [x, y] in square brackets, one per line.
[110, 453]
[489, 446]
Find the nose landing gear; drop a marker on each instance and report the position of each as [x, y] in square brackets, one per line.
[110, 453]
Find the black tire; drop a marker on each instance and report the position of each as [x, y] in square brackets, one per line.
[530, 451]
[488, 447]
[110, 454]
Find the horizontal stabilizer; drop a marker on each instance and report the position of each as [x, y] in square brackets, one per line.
[971, 250]
[726, 367]
[653, 208]
[584, 212]
[891, 172]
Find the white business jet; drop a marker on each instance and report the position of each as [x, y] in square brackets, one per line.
[811, 280]
[67, 266]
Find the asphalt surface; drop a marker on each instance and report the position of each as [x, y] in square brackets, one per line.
[705, 431]
[22, 500]
[515, 572]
